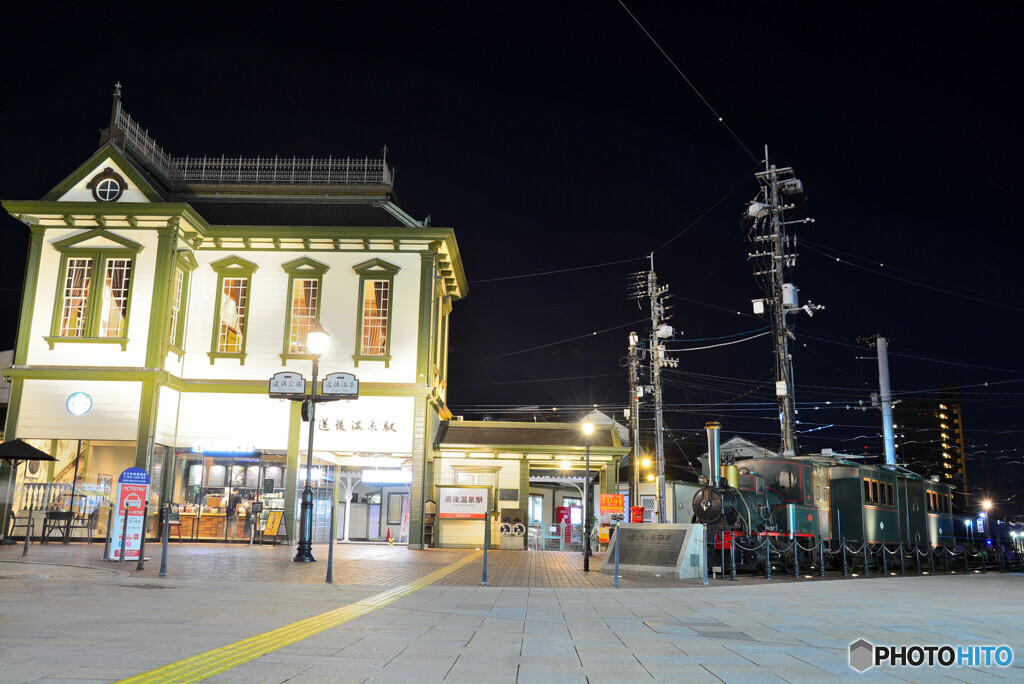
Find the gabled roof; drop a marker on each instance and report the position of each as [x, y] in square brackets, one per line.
[107, 155]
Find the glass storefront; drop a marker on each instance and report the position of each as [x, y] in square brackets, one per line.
[213, 495]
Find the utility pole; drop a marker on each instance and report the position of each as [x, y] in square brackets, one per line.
[635, 392]
[659, 331]
[885, 399]
[774, 256]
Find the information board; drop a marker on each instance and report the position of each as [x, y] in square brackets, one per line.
[273, 524]
[132, 494]
[662, 549]
[463, 503]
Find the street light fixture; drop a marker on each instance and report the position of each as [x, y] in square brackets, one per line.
[316, 344]
[588, 430]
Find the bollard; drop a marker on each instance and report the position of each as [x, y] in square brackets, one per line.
[163, 550]
[124, 536]
[28, 533]
[903, 560]
[617, 553]
[796, 557]
[945, 560]
[931, 559]
[885, 561]
[867, 564]
[142, 542]
[846, 566]
[106, 541]
[487, 542]
[821, 556]
[330, 550]
[768, 557]
[967, 563]
[732, 559]
[917, 559]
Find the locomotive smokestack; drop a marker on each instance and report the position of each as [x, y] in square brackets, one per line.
[714, 453]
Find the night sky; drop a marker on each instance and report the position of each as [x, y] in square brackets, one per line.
[556, 139]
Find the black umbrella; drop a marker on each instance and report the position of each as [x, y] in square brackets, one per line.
[17, 451]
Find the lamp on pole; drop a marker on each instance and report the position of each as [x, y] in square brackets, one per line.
[316, 344]
[987, 505]
[588, 429]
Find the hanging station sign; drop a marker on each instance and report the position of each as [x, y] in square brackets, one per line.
[285, 385]
[344, 385]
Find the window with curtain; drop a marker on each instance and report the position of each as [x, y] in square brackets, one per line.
[376, 299]
[74, 309]
[231, 331]
[114, 306]
[305, 297]
[177, 295]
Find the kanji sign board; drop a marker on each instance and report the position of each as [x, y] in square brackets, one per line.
[463, 503]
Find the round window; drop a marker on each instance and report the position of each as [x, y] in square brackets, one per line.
[108, 190]
[787, 479]
[107, 186]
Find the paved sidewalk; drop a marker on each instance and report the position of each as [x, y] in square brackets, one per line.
[64, 616]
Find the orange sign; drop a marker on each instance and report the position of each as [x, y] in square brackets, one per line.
[613, 503]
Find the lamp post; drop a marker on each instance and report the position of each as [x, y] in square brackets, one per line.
[987, 505]
[588, 429]
[316, 344]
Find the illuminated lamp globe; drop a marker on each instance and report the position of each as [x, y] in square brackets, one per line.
[588, 428]
[650, 478]
[317, 339]
[986, 504]
[566, 465]
[646, 463]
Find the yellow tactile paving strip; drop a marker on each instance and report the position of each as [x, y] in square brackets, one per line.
[203, 665]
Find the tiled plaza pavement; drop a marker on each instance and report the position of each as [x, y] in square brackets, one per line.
[65, 616]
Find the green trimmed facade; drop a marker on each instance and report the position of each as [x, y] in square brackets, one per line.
[178, 367]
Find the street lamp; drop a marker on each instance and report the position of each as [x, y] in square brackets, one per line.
[588, 430]
[316, 344]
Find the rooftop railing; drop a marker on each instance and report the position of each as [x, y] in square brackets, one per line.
[252, 170]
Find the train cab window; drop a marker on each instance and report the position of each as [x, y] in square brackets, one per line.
[931, 502]
[867, 491]
[882, 494]
[874, 491]
[892, 499]
[788, 481]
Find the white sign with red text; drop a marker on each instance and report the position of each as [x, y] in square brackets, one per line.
[462, 503]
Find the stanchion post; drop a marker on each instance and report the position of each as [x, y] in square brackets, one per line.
[124, 536]
[796, 557]
[617, 540]
[846, 565]
[487, 543]
[945, 560]
[967, 563]
[768, 557]
[722, 555]
[732, 558]
[903, 560]
[330, 550]
[28, 533]
[821, 556]
[867, 561]
[1000, 559]
[163, 540]
[984, 561]
[106, 541]
[931, 559]
[707, 556]
[885, 560]
[142, 541]
[917, 558]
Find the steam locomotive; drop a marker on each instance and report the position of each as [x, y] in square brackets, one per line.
[812, 498]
